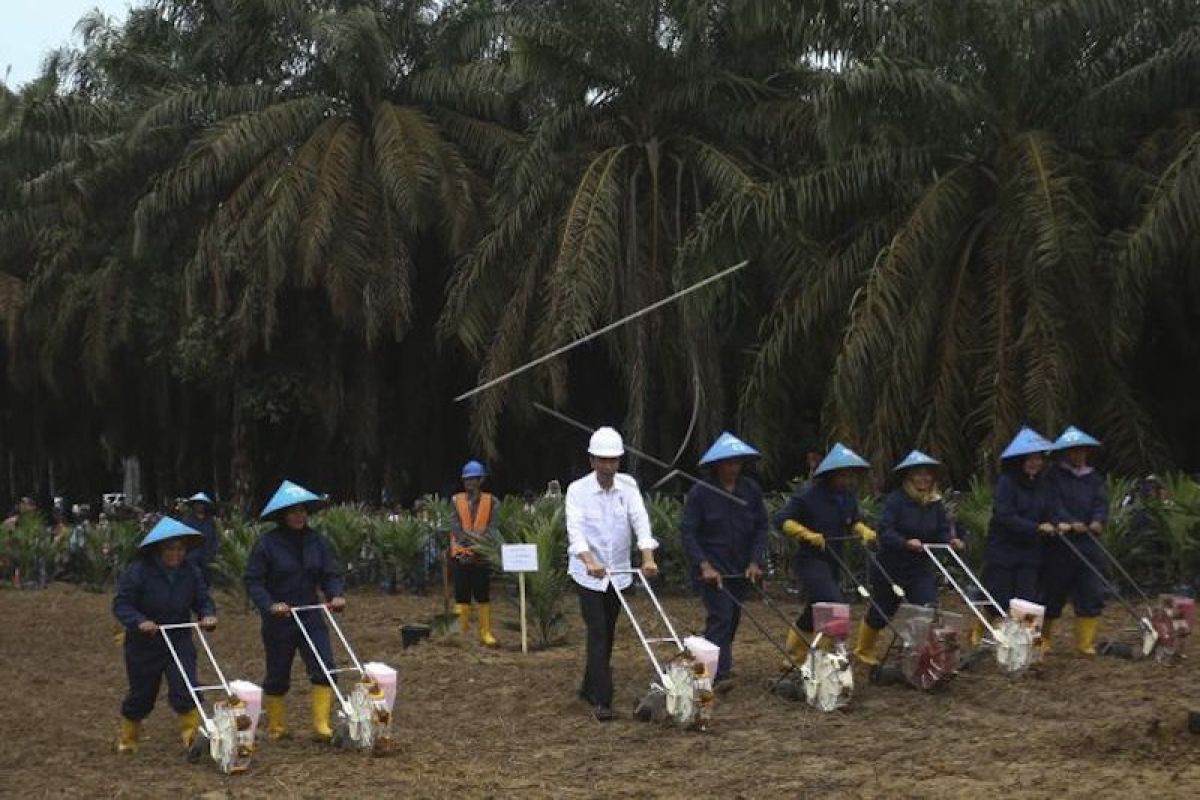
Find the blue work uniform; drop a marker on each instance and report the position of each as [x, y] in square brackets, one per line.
[287, 566]
[826, 511]
[1012, 554]
[1080, 498]
[147, 591]
[204, 555]
[903, 518]
[730, 536]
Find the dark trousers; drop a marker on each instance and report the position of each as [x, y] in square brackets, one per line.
[1063, 576]
[820, 580]
[1006, 581]
[919, 587]
[146, 661]
[721, 624]
[472, 581]
[281, 639]
[600, 611]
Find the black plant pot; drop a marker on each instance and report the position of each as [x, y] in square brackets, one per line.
[413, 633]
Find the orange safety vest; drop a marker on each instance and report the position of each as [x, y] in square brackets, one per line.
[483, 516]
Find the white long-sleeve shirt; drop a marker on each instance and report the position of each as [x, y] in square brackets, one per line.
[601, 521]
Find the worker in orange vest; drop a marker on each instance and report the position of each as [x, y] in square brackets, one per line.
[472, 523]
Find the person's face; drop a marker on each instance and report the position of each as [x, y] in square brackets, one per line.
[200, 510]
[472, 484]
[296, 518]
[1033, 464]
[843, 480]
[1077, 457]
[172, 553]
[606, 467]
[921, 478]
[26, 505]
[727, 471]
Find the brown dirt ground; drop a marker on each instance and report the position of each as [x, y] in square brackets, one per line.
[476, 723]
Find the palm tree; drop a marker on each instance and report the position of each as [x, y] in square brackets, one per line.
[642, 114]
[979, 177]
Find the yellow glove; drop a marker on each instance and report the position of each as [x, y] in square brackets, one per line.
[865, 532]
[797, 531]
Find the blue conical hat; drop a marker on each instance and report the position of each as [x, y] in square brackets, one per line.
[169, 528]
[917, 459]
[1073, 437]
[1026, 442]
[287, 495]
[200, 497]
[840, 457]
[725, 447]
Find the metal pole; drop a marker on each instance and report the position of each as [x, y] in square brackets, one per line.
[930, 549]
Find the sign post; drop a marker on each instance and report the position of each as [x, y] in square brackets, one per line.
[520, 558]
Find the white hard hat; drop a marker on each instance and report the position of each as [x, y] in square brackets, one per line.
[606, 443]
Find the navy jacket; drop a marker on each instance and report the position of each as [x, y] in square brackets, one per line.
[146, 592]
[728, 535]
[206, 553]
[822, 510]
[903, 518]
[1019, 505]
[288, 566]
[1081, 498]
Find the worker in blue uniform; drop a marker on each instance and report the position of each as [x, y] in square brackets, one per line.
[820, 517]
[161, 587]
[1082, 497]
[1024, 511]
[724, 533]
[913, 515]
[200, 517]
[288, 566]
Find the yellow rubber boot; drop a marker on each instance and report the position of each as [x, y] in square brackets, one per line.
[463, 610]
[127, 736]
[864, 648]
[977, 631]
[189, 723]
[797, 648]
[485, 625]
[1047, 627]
[276, 710]
[1085, 634]
[322, 707]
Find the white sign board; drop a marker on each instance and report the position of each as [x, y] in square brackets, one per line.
[519, 557]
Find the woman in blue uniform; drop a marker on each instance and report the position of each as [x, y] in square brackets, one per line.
[724, 532]
[913, 515]
[1023, 512]
[288, 566]
[160, 588]
[819, 517]
[1082, 497]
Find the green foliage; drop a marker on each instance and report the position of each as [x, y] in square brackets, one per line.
[666, 516]
[348, 528]
[544, 525]
[237, 540]
[971, 511]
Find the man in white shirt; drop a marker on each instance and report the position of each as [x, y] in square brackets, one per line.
[603, 508]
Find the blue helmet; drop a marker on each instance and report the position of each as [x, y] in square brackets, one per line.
[916, 459]
[1025, 443]
[169, 528]
[474, 469]
[727, 446]
[840, 457]
[200, 497]
[1073, 437]
[287, 495]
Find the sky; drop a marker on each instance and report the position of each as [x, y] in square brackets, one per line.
[30, 28]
